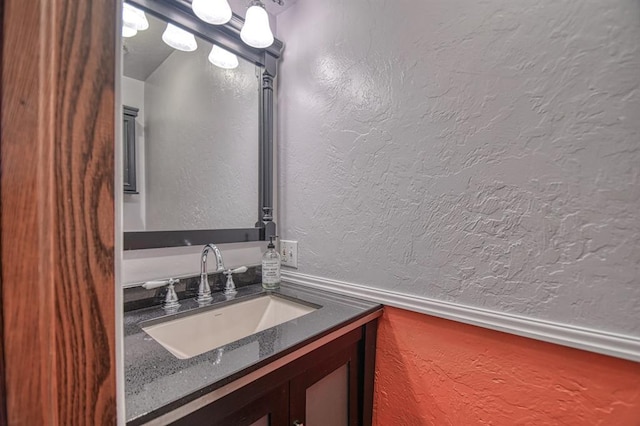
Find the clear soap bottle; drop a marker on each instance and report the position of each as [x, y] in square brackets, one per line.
[271, 267]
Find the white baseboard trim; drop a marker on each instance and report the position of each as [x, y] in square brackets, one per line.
[616, 345]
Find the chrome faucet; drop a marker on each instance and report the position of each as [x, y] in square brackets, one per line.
[204, 291]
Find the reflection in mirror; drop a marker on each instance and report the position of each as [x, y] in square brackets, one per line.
[196, 136]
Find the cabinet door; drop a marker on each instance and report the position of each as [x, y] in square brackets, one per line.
[327, 392]
[240, 409]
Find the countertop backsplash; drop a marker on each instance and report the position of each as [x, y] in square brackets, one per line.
[155, 264]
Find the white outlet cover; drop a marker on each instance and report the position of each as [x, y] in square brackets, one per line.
[289, 253]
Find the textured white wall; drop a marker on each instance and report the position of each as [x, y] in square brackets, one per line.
[202, 144]
[132, 94]
[485, 153]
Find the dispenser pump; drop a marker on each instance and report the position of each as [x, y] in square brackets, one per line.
[271, 245]
[271, 266]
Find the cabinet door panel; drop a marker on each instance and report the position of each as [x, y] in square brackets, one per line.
[327, 399]
[327, 393]
[262, 421]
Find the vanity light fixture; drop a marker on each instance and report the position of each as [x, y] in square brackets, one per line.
[256, 31]
[128, 31]
[133, 20]
[222, 58]
[179, 39]
[216, 12]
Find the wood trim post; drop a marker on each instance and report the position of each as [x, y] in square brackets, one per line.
[57, 211]
[3, 394]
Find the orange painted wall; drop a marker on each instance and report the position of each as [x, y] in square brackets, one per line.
[431, 371]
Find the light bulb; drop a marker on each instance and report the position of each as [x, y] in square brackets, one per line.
[216, 12]
[256, 31]
[179, 38]
[222, 58]
[128, 31]
[134, 18]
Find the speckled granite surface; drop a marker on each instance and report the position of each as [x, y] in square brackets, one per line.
[158, 382]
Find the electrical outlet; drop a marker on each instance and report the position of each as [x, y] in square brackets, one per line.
[284, 255]
[289, 253]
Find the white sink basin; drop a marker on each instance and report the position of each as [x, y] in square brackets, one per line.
[192, 335]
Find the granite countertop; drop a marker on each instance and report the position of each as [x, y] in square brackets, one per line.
[157, 382]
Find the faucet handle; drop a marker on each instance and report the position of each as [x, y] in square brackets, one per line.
[230, 286]
[171, 300]
[149, 285]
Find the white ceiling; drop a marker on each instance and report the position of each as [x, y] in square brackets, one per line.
[144, 52]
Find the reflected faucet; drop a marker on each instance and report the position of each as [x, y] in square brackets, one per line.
[204, 291]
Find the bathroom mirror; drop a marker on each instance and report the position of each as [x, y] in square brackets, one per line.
[196, 136]
[204, 134]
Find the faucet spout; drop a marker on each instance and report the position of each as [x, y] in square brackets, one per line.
[204, 291]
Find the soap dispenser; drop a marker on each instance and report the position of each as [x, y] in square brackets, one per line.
[271, 267]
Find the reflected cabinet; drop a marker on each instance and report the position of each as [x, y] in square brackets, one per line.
[129, 115]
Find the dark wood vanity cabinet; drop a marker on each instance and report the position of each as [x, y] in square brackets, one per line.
[329, 386]
[129, 115]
